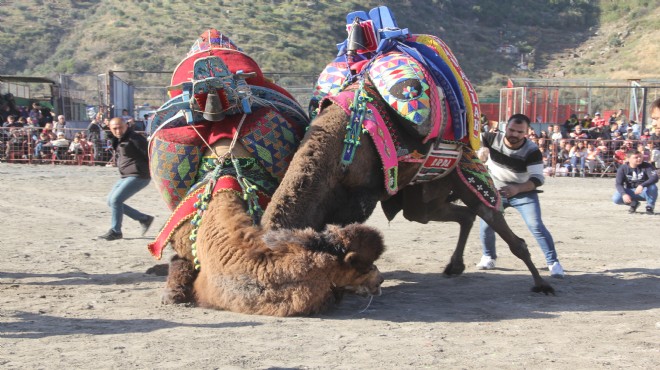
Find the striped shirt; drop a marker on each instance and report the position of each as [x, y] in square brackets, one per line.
[513, 166]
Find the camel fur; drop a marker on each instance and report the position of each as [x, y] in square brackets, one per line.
[317, 190]
[247, 269]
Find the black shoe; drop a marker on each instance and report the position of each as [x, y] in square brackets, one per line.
[111, 235]
[649, 211]
[633, 207]
[146, 224]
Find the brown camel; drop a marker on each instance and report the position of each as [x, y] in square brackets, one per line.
[247, 269]
[317, 190]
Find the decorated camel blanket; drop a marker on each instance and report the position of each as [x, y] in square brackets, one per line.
[419, 78]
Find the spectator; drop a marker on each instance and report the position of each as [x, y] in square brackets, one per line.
[46, 116]
[518, 189]
[564, 157]
[579, 134]
[35, 114]
[586, 121]
[48, 130]
[598, 122]
[43, 147]
[556, 134]
[655, 155]
[578, 157]
[570, 124]
[620, 118]
[75, 148]
[544, 134]
[620, 154]
[60, 125]
[10, 122]
[61, 141]
[645, 136]
[94, 135]
[593, 157]
[655, 137]
[531, 134]
[645, 153]
[125, 115]
[636, 129]
[635, 182]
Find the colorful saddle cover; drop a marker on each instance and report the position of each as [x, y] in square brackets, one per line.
[271, 121]
[417, 75]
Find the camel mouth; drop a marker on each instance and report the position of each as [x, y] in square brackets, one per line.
[369, 286]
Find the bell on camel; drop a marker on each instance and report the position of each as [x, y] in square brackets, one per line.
[213, 111]
[356, 40]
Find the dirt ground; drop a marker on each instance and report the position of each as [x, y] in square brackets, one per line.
[70, 301]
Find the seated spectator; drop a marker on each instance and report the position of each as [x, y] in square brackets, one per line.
[593, 158]
[48, 130]
[542, 143]
[43, 147]
[564, 156]
[16, 146]
[579, 134]
[544, 134]
[655, 136]
[636, 181]
[556, 134]
[629, 135]
[598, 122]
[75, 148]
[578, 157]
[569, 124]
[616, 141]
[655, 155]
[531, 133]
[61, 141]
[645, 136]
[645, 153]
[620, 156]
[586, 121]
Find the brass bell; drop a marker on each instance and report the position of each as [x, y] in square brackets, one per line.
[213, 111]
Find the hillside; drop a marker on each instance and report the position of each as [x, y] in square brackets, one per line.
[562, 38]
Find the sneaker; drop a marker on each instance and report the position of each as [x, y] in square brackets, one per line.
[111, 235]
[556, 271]
[486, 263]
[146, 224]
[633, 207]
[649, 211]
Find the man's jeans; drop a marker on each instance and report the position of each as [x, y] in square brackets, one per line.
[124, 189]
[527, 204]
[649, 195]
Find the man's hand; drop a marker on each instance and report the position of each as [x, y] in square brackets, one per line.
[639, 189]
[626, 199]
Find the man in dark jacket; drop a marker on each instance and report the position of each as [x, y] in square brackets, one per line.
[133, 164]
[636, 181]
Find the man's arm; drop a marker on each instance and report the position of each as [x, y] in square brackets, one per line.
[652, 176]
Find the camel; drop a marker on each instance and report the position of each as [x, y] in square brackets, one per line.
[234, 264]
[317, 190]
[321, 187]
[247, 269]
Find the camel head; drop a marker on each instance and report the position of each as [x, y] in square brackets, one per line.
[362, 245]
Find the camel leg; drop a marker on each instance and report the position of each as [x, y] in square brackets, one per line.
[517, 245]
[179, 282]
[465, 218]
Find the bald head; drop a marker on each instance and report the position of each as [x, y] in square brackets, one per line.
[118, 127]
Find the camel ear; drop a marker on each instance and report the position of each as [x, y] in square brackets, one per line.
[351, 258]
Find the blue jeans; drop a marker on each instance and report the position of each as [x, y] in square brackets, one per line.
[649, 195]
[574, 161]
[527, 204]
[124, 189]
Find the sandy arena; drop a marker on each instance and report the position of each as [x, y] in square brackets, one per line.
[70, 301]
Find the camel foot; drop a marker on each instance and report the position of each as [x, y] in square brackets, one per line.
[544, 288]
[454, 269]
[179, 283]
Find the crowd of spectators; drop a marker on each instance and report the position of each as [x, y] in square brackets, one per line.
[36, 134]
